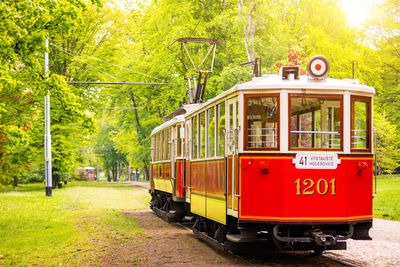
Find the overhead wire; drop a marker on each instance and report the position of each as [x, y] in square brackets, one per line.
[67, 51]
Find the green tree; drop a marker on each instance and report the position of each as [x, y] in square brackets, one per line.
[26, 25]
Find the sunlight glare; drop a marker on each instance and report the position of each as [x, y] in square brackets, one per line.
[357, 11]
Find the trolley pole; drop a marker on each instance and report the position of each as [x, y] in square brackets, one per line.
[47, 136]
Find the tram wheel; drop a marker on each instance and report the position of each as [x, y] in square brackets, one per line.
[317, 251]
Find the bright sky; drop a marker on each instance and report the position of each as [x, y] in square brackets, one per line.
[357, 11]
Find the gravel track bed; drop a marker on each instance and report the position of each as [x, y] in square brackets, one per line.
[383, 250]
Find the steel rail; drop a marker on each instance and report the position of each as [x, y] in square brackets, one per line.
[344, 262]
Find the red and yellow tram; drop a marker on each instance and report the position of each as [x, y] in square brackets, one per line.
[285, 159]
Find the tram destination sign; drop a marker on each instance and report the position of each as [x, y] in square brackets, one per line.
[316, 160]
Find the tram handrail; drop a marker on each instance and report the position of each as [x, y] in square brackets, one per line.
[315, 132]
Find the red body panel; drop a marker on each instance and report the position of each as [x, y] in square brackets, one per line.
[229, 182]
[270, 187]
[197, 174]
[180, 168]
[215, 178]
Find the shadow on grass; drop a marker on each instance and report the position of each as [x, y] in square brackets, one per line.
[41, 187]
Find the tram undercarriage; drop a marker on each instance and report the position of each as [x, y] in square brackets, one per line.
[163, 205]
[260, 236]
[255, 238]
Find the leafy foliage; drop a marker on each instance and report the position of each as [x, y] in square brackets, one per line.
[90, 41]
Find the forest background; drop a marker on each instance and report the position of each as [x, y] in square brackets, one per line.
[133, 41]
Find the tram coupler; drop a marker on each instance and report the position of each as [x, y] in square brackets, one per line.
[322, 239]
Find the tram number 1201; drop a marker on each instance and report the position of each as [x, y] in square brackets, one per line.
[322, 187]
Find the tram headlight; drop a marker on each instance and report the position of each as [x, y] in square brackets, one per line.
[318, 67]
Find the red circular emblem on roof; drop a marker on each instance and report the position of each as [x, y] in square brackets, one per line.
[318, 67]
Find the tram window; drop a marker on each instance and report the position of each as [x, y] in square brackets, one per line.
[186, 148]
[184, 140]
[179, 141]
[202, 130]
[262, 122]
[194, 137]
[161, 146]
[167, 144]
[159, 156]
[211, 132]
[157, 149]
[360, 121]
[221, 128]
[152, 148]
[230, 130]
[315, 122]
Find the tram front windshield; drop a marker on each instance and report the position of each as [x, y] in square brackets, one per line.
[315, 122]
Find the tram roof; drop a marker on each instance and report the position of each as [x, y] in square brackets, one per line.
[178, 116]
[273, 82]
[174, 120]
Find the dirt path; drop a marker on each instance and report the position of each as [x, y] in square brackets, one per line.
[168, 244]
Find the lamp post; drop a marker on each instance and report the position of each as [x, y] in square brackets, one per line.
[47, 136]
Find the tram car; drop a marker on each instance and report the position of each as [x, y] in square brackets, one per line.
[284, 159]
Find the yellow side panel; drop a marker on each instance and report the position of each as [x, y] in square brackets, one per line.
[216, 209]
[161, 184]
[157, 184]
[164, 186]
[168, 186]
[198, 204]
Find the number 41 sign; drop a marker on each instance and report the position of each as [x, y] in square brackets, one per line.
[316, 160]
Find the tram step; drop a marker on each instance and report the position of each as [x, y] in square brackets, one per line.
[188, 218]
[243, 237]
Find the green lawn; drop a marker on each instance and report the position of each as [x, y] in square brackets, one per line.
[387, 201]
[40, 230]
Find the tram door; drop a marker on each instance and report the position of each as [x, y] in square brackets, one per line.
[172, 144]
[231, 137]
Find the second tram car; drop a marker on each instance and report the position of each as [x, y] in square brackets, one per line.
[285, 159]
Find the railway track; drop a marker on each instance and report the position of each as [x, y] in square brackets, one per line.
[251, 259]
[259, 260]
[338, 260]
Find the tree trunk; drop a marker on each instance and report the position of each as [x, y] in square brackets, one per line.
[115, 173]
[53, 181]
[249, 32]
[146, 173]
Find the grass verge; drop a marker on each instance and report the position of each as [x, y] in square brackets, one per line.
[71, 227]
[387, 201]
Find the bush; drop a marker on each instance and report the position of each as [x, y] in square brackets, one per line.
[33, 176]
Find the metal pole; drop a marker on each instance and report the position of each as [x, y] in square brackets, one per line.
[47, 136]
